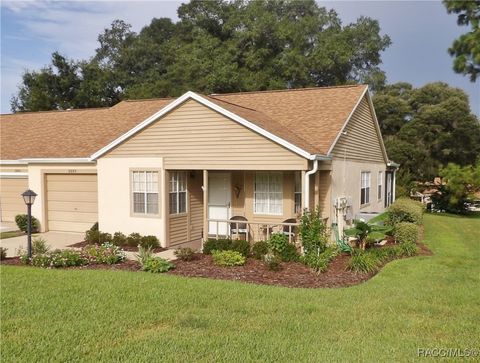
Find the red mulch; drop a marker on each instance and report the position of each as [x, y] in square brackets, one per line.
[125, 248]
[292, 274]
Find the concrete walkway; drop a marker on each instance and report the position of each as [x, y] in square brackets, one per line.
[56, 240]
[61, 240]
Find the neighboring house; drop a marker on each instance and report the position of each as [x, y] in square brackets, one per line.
[168, 167]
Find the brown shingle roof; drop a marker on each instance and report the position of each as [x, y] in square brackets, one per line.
[308, 118]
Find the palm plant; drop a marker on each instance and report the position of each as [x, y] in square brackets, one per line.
[365, 232]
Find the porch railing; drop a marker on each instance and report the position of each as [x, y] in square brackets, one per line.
[268, 228]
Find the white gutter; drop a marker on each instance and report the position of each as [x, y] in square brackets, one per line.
[12, 162]
[306, 199]
[13, 175]
[58, 161]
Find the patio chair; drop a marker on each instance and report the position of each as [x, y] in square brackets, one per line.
[290, 231]
[237, 228]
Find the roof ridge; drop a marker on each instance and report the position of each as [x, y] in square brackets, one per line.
[235, 104]
[290, 89]
[56, 111]
[147, 99]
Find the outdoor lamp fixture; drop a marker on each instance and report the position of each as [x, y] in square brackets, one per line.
[29, 198]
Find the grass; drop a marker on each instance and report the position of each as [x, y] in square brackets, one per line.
[10, 234]
[123, 316]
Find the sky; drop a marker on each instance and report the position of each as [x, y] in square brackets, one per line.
[421, 32]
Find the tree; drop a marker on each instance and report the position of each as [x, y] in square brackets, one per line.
[218, 46]
[426, 128]
[460, 183]
[466, 48]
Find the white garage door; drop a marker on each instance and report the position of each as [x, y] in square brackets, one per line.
[11, 201]
[71, 202]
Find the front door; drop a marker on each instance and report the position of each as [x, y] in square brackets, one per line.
[219, 198]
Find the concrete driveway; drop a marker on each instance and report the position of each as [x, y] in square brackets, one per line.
[56, 240]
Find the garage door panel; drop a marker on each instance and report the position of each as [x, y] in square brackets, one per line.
[73, 216]
[71, 202]
[70, 186]
[11, 202]
[90, 207]
[72, 196]
[69, 226]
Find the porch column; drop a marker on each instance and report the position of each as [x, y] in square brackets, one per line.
[304, 196]
[393, 186]
[205, 206]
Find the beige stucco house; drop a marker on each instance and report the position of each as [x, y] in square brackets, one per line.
[179, 168]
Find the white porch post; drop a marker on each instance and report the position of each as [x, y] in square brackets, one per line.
[205, 206]
[393, 187]
[304, 196]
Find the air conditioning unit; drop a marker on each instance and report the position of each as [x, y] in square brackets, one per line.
[341, 203]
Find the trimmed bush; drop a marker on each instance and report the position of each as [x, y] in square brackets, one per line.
[406, 232]
[289, 253]
[39, 246]
[259, 250]
[272, 261]
[157, 265]
[119, 239]
[22, 223]
[97, 237]
[408, 249]
[228, 258]
[94, 227]
[362, 261]
[405, 210]
[149, 241]
[240, 246]
[134, 239]
[3, 253]
[185, 254]
[320, 262]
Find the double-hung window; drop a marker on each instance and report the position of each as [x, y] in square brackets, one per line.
[268, 193]
[145, 192]
[365, 188]
[298, 193]
[178, 192]
[380, 185]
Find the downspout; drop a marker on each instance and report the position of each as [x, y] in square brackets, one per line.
[306, 200]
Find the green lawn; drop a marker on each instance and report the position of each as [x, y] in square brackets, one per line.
[124, 316]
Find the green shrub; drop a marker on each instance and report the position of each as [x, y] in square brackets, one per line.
[228, 258]
[94, 227]
[405, 210]
[320, 262]
[259, 250]
[3, 253]
[313, 232]
[149, 241]
[185, 254]
[289, 253]
[157, 265]
[119, 239]
[106, 253]
[406, 232]
[97, 237]
[134, 239]
[22, 223]
[240, 246]
[408, 249]
[272, 261]
[59, 258]
[278, 242]
[39, 246]
[362, 261]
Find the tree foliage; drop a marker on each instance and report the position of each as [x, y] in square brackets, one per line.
[426, 128]
[466, 48]
[216, 46]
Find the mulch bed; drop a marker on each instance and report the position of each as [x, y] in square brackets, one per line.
[125, 248]
[292, 274]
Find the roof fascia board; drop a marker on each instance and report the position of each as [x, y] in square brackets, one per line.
[211, 105]
[12, 162]
[347, 121]
[377, 126]
[58, 161]
[8, 175]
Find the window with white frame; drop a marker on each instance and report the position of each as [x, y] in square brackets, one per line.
[365, 188]
[145, 192]
[268, 193]
[178, 192]
[380, 185]
[298, 193]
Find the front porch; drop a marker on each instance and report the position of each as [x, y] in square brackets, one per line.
[243, 204]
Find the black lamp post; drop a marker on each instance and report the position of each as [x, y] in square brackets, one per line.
[29, 198]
